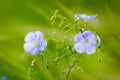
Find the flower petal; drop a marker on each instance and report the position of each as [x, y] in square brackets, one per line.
[93, 17]
[86, 34]
[85, 17]
[30, 37]
[78, 37]
[80, 16]
[80, 47]
[92, 39]
[77, 16]
[35, 51]
[29, 47]
[90, 48]
[43, 45]
[38, 36]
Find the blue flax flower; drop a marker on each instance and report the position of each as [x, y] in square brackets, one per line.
[4, 78]
[85, 17]
[34, 42]
[86, 42]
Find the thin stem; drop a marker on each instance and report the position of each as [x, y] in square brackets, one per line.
[54, 16]
[44, 62]
[63, 56]
[72, 27]
[29, 70]
[73, 64]
[61, 73]
[69, 69]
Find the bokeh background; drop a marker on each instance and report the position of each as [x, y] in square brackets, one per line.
[18, 17]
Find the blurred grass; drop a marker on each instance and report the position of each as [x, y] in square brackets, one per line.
[18, 17]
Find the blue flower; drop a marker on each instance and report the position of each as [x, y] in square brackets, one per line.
[4, 78]
[85, 17]
[34, 42]
[86, 42]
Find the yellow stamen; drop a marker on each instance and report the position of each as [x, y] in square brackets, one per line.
[86, 40]
[37, 43]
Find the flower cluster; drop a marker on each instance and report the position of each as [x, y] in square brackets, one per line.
[85, 41]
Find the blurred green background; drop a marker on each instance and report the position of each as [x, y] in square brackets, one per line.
[18, 17]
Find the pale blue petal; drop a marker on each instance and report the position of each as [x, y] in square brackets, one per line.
[93, 17]
[77, 16]
[80, 47]
[35, 51]
[92, 39]
[98, 41]
[78, 37]
[30, 37]
[85, 17]
[38, 36]
[43, 45]
[29, 47]
[86, 34]
[90, 48]
[82, 16]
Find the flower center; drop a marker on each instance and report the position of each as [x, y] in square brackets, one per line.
[37, 43]
[86, 40]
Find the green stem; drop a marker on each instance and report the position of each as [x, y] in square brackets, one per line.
[72, 27]
[71, 66]
[69, 69]
[44, 59]
[29, 70]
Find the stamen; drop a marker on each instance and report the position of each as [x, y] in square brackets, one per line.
[86, 40]
[37, 43]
